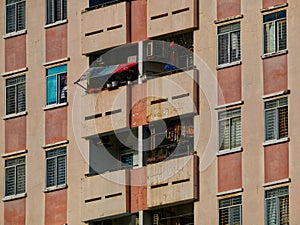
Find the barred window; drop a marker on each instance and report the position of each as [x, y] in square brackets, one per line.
[15, 95]
[276, 119]
[277, 206]
[56, 165]
[230, 211]
[15, 176]
[275, 34]
[229, 43]
[15, 15]
[230, 130]
[57, 85]
[56, 10]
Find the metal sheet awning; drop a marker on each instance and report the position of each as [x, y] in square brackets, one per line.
[96, 72]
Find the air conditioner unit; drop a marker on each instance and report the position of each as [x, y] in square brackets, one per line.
[155, 49]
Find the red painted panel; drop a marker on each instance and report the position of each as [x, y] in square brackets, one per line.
[56, 125]
[275, 74]
[56, 42]
[138, 20]
[15, 212]
[228, 8]
[269, 3]
[15, 53]
[15, 134]
[139, 105]
[138, 189]
[230, 172]
[56, 207]
[276, 162]
[229, 80]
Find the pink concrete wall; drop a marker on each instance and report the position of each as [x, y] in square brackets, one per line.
[15, 134]
[138, 189]
[275, 74]
[138, 20]
[229, 80]
[228, 8]
[56, 207]
[56, 125]
[269, 3]
[15, 212]
[276, 159]
[15, 53]
[56, 42]
[230, 172]
[139, 105]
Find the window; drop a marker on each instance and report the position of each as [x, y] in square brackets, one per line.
[15, 15]
[15, 176]
[277, 206]
[95, 3]
[15, 95]
[229, 44]
[56, 10]
[230, 211]
[56, 161]
[57, 85]
[274, 32]
[230, 132]
[276, 119]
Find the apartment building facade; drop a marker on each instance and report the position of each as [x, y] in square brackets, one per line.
[148, 112]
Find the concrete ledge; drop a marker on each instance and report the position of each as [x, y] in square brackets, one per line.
[283, 181]
[230, 192]
[14, 153]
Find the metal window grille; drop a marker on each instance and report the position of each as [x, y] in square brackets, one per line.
[230, 211]
[56, 165]
[56, 10]
[15, 95]
[229, 43]
[277, 206]
[275, 32]
[230, 129]
[15, 15]
[276, 119]
[15, 176]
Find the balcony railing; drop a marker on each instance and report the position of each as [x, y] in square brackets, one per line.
[105, 111]
[105, 27]
[172, 95]
[172, 181]
[105, 195]
[171, 16]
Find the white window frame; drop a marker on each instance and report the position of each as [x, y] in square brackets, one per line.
[278, 194]
[16, 176]
[230, 206]
[16, 98]
[276, 34]
[231, 30]
[17, 16]
[229, 117]
[55, 157]
[275, 109]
